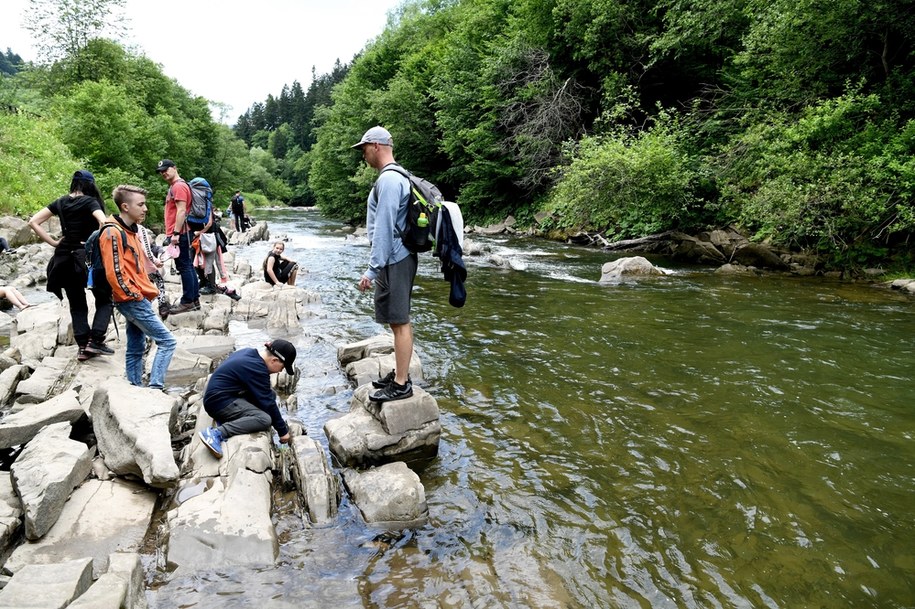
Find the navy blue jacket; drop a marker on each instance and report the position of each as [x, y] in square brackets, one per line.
[243, 375]
[449, 251]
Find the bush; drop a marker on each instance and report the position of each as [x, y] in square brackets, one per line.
[628, 185]
[35, 166]
[839, 178]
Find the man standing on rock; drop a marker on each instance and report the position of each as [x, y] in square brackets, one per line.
[239, 398]
[177, 206]
[132, 290]
[392, 267]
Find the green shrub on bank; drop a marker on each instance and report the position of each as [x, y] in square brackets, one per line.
[35, 165]
[839, 178]
[627, 184]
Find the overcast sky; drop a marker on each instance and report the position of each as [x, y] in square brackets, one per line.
[232, 51]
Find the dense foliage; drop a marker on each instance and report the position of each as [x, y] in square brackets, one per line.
[792, 120]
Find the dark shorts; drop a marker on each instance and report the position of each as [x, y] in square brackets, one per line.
[393, 289]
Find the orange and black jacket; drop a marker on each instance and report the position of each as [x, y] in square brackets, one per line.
[125, 267]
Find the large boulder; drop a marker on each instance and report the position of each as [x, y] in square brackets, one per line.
[759, 256]
[389, 496]
[45, 474]
[16, 230]
[404, 430]
[634, 266]
[134, 426]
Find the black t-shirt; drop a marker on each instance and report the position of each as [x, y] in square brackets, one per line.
[238, 205]
[76, 220]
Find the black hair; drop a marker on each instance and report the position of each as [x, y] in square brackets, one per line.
[87, 187]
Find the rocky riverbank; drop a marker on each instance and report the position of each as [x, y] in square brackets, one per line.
[106, 479]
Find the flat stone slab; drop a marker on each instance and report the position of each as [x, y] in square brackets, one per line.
[122, 587]
[48, 585]
[228, 524]
[100, 518]
[375, 367]
[20, 427]
[45, 474]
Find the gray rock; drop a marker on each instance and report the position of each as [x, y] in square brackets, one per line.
[10, 514]
[121, 587]
[228, 524]
[45, 474]
[133, 426]
[100, 518]
[376, 367]
[47, 586]
[39, 329]
[359, 438]
[381, 344]
[316, 481]
[759, 256]
[632, 266]
[49, 378]
[9, 381]
[16, 230]
[390, 496]
[215, 348]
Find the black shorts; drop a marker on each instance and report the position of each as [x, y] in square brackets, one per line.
[393, 289]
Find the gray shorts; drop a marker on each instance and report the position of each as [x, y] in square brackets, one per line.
[393, 289]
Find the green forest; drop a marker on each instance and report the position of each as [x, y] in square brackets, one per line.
[792, 121]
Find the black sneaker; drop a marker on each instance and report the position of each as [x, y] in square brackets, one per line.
[392, 392]
[98, 348]
[84, 355]
[207, 290]
[384, 382]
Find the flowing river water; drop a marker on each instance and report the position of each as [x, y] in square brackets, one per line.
[694, 440]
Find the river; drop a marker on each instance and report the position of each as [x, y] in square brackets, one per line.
[694, 440]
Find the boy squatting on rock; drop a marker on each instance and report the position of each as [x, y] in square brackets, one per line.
[239, 398]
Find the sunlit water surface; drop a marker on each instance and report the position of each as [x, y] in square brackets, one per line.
[694, 440]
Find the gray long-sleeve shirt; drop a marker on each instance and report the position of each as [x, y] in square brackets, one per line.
[387, 210]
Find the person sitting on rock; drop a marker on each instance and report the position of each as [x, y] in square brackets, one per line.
[14, 297]
[239, 397]
[277, 268]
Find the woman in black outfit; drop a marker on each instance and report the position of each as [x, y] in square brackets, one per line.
[80, 212]
[277, 268]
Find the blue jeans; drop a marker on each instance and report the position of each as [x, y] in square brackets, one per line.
[143, 322]
[184, 263]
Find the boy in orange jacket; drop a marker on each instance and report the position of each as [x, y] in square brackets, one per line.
[131, 289]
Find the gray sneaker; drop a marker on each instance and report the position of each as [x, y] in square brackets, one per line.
[393, 392]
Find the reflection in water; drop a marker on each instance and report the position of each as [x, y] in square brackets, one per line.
[685, 441]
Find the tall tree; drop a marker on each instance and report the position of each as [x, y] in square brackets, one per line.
[63, 28]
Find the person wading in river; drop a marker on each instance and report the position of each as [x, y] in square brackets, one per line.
[392, 267]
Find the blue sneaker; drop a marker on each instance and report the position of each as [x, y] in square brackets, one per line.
[212, 439]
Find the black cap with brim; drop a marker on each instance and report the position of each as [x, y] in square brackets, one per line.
[285, 352]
